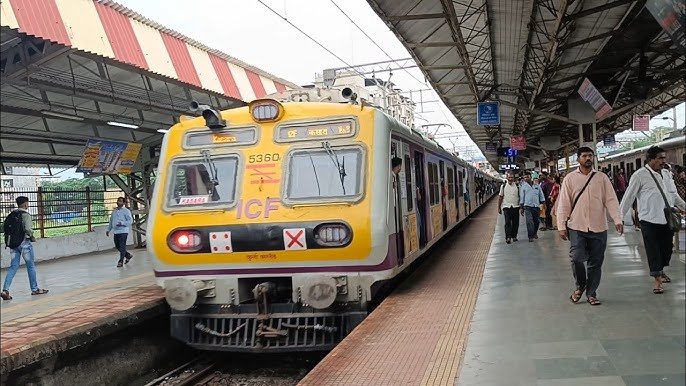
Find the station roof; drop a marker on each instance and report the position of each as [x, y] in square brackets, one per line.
[69, 67]
[533, 55]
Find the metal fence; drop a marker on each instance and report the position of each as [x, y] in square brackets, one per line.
[57, 208]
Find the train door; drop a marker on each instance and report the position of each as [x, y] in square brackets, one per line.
[444, 194]
[410, 218]
[420, 178]
[456, 193]
[398, 193]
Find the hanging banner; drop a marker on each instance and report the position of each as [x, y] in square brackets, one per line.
[641, 123]
[591, 95]
[108, 157]
[671, 15]
[518, 142]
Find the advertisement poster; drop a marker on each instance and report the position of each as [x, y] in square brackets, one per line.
[591, 95]
[108, 157]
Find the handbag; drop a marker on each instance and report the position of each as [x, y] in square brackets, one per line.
[672, 214]
[577, 199]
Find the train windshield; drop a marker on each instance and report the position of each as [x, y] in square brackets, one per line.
[204, 181]
[316, 174]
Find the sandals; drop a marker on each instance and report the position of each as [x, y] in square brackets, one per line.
[39, 292]
[593, 301]
[658, 291]
[5, 295]
[665, 278]
[576, 296]
[120, 264]
[128, 258]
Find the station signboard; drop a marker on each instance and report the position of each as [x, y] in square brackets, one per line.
[488, 113]
[641, 123]
[608, 139]
[491, 147]
[518, 142]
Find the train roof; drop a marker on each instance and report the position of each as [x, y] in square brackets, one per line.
[666, 144]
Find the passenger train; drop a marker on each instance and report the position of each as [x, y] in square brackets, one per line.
[273, 225]
[632, 160]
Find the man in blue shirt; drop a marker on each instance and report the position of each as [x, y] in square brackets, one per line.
[120, 224]
[530, 199]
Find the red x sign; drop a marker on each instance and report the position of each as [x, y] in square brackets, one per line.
[294, 239]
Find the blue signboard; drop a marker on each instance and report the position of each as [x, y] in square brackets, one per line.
[488, 113]
[608, 139]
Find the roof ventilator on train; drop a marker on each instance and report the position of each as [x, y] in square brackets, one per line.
[213, 118]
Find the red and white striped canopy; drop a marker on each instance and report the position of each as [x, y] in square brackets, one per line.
[105, 28]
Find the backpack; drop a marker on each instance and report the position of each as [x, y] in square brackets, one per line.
[13, 228]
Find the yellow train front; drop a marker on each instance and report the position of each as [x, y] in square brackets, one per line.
[270, 224]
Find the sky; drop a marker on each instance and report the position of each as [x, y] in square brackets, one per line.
[249, 31]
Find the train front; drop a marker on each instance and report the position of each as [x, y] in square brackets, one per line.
[261, 227]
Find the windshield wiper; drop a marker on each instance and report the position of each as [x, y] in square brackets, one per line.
[334, 159]
[212, 171]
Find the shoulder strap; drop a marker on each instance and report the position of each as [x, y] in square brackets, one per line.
[579, 195]
[659, 187]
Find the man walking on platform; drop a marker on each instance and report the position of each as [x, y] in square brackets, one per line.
[121, 221]
[18, 229]
[585, 199]
[508, 202]
[653, 188]
[530, 200]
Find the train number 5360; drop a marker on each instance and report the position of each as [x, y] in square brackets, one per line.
[264, 158]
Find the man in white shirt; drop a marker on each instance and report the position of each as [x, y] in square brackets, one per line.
[657, 236]
[508, 202]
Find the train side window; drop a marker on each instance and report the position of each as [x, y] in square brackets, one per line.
[197, 182]
[451, 184]
[408, 183]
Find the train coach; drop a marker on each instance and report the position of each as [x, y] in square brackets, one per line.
[273, 225]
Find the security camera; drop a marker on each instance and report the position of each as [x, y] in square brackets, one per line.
[213, 118]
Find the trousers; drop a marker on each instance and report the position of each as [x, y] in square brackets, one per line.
[587, 253]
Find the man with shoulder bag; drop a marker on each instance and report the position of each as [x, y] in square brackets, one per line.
[585, 198]
[654, 190]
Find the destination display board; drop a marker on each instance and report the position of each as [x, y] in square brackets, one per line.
[317, 131]
[108, 157]
[246, 136]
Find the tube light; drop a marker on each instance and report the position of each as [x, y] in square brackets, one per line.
[61, 115]
[120, 124]
[163, 131]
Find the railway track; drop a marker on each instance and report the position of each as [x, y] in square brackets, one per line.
[244, 370]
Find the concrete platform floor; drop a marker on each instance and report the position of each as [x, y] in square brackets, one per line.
[74, 279]
[525, 331]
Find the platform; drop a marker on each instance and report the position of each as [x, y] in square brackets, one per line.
[89, 297]
[522, 329]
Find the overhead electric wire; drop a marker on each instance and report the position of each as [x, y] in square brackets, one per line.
[309, 37]
[375, 43]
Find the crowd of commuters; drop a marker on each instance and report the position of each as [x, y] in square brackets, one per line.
[579, 204]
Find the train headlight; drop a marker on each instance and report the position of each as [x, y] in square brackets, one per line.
[265, 110]
[332, 234]
[184, 241]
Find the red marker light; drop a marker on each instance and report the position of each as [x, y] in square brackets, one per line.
[185, 241]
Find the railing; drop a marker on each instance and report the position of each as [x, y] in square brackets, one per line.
[57, 212]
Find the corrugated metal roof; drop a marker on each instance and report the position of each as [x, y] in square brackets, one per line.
[225, 77]
[181, 59]
[532, 55]
[40, 18]
[121, 36]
